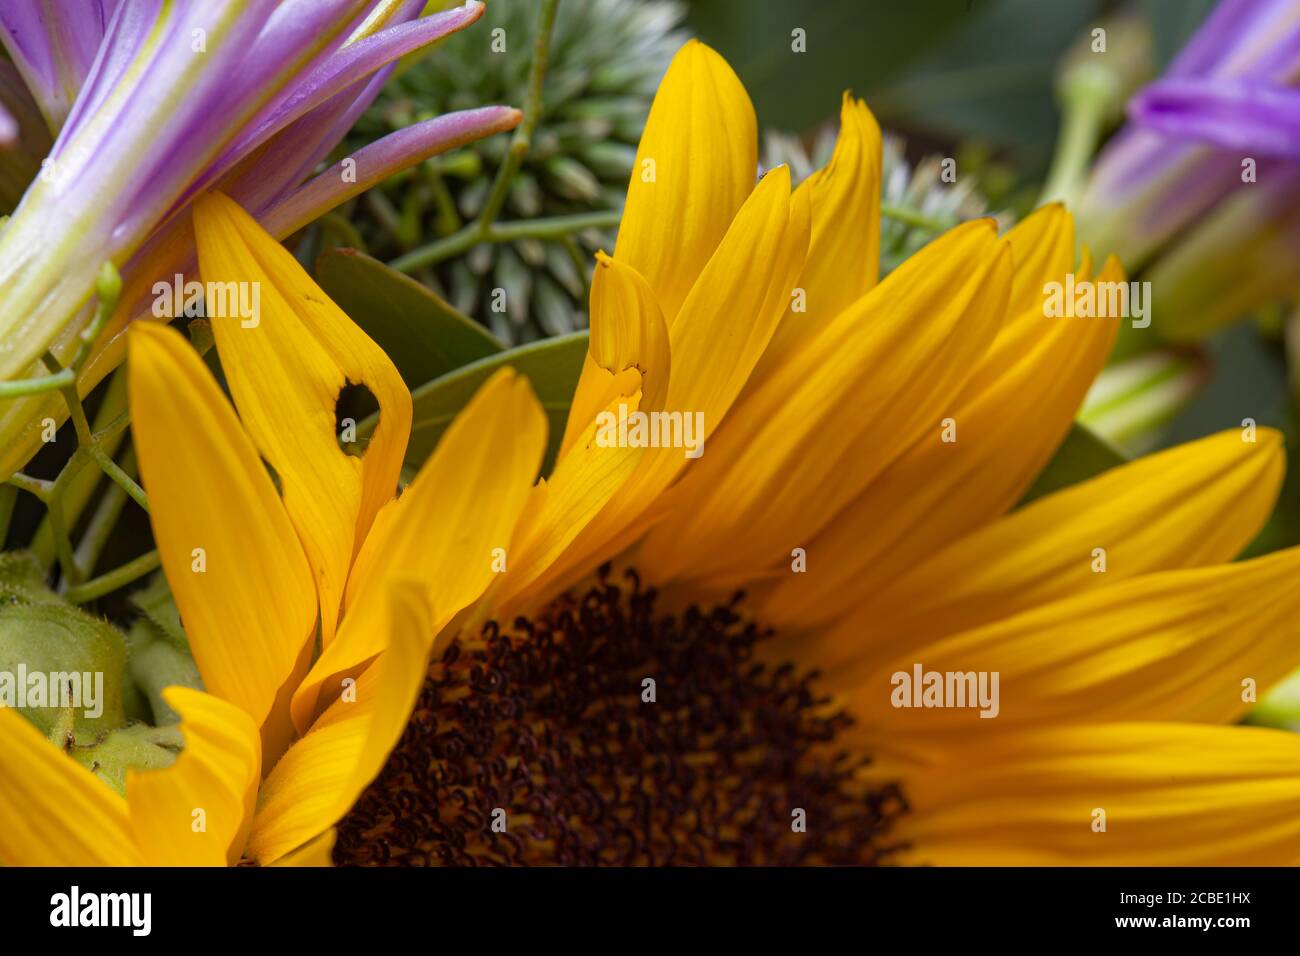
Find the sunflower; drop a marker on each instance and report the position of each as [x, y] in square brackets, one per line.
[698, 658]
[694, 654]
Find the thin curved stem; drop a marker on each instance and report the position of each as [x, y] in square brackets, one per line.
[556, 227]
[117, 578]
[522, 140]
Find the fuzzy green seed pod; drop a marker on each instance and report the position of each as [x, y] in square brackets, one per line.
[60, 667]
[138, 747]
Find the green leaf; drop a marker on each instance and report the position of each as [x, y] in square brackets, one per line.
[552, 365]
[1081, 456]
[423, 335]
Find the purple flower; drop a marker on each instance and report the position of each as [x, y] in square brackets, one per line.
[1234, 84]
[1201, 191]
[243, 96]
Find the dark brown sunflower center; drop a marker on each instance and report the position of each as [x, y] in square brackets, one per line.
[601, 733]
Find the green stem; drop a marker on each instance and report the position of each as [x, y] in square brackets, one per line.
[62, 540]
[1082, 123]
[521, 142]
[120, 477]
[117, 578]
[108, 288]
[556, 227]
[33, 486]
[102, 522]
[382, 209]
[75, 485]
[90, 442]
[435, 252]
[447, 216]
[52, 540]
[485, 229]
[35, 386]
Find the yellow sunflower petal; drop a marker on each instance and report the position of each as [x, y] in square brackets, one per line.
[197, 811]
[628, 350]
[844, 251]
[1042, 252]
[285, 373]
[726, 323]
[55, 811]
[230, 554]
[1042, 247]
[1193, 645]
[696, 163]
[562, 509]
[1194, 505]
[1003, 433]
[800, 448]
[320, 777]
[602, 499]
[318, 853]
[457, 523]
[1171, 795]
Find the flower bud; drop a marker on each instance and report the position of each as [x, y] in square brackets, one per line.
[138, 747]
[1133, 398]
[1200, 192]
[1106, 65]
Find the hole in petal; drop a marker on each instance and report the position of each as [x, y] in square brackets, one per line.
[355, 404]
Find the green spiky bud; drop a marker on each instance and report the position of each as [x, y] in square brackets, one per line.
[606, 60]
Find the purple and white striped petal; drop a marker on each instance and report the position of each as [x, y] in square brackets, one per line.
[1240, 256]
[1251, 118]
[1239, 37]
[353, 63]
[374, 163]
[1145, 189]
[248, 96]
[1214, 141]
[53, 43]
[116, 170]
